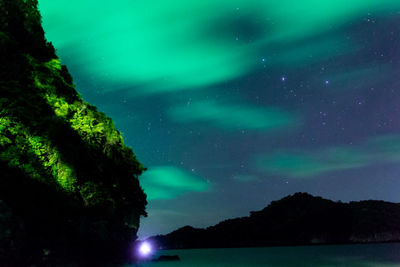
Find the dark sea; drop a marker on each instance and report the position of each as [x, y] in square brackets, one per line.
[332, 255]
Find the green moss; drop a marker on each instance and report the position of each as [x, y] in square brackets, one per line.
[24, 151]
[54, 64]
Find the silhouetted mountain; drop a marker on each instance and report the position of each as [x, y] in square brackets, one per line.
[300, 219]
[69, 186]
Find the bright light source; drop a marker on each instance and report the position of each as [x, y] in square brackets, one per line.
[145, 249]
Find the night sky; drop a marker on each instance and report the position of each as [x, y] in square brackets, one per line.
[231, 104]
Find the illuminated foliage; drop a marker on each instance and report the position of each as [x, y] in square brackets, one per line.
[61, 159]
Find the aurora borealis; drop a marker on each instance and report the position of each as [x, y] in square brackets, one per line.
[232, 104]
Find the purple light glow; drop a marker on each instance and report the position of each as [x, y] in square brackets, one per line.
[145, 249]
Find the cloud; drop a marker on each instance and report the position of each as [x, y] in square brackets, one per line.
[233, 117]
[305, 164]
[168, 182]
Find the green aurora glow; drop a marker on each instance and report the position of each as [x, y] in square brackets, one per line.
[234, 117]
[308, 164]
[166, 182]
[181, 45]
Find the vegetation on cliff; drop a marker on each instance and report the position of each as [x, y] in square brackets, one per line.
[68, 183]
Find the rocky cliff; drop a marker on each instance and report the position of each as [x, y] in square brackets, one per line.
[69, 187]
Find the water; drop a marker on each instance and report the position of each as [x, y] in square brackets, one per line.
[343, 255]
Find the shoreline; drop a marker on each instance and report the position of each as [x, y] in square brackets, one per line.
[285, 246]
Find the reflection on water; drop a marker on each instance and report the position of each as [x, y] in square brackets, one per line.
[344, 255]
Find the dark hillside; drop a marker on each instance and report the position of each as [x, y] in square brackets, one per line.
[300, 219]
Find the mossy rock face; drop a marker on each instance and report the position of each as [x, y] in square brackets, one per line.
[65, 171]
